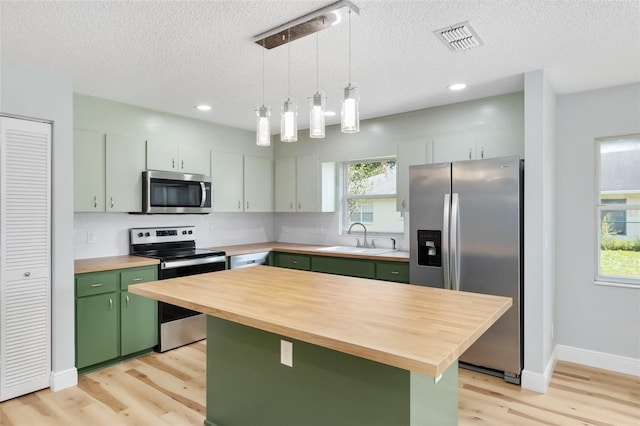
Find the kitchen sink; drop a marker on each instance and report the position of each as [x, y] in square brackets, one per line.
[355, 250]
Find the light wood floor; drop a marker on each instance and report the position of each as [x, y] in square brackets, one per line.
[169, 388]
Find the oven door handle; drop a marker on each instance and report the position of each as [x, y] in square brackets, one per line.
[204, 194]
[172, 264]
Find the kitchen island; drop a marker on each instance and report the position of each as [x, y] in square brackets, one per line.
[364, 352]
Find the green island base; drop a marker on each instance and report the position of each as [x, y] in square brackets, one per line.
[248, 386]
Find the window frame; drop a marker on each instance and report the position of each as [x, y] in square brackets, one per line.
[600, 208]
[345, 197]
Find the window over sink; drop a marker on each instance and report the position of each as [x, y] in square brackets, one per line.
[370, 196]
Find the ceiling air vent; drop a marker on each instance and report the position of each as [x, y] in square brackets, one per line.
[459, 37]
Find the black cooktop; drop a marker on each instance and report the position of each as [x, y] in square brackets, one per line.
[176, 254]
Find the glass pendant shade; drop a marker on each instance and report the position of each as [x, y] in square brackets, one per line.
[350, 114]
[263, 129]
[289, 121]
[316, 118]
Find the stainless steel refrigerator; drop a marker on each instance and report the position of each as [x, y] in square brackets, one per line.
[466, 222]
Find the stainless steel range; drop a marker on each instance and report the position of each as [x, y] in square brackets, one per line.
[175, 247]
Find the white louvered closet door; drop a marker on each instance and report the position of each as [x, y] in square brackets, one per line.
[25, 256]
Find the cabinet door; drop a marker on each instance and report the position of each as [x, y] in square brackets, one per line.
[342, 266]
[138, 323]
[228, 178]
[454, 147]
[124, 164]
[194, 159]
[258, 184]
[308, 184]
[162, 155]
[393, 271]
[89, 171]
[285, 187]
[97, 329]
[500, 144]
[409, 154]
[292, 261]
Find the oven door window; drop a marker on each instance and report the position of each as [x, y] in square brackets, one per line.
[175, 193]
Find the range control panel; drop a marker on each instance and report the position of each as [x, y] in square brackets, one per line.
[162, 235]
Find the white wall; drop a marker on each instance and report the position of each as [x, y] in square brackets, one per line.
[539, 232]
[500, 116]
[212, 230]
[34, 94]
[591, 317]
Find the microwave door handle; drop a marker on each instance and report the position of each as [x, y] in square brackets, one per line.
[204, 194]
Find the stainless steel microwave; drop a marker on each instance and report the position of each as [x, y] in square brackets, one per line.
[170, 192]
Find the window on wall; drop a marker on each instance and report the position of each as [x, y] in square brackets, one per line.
[618, 210]
[370, 196]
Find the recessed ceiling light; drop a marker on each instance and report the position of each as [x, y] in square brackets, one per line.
[329, 113]
[457, 86]
[203, 107]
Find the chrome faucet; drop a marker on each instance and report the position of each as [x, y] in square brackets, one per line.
[366, 244]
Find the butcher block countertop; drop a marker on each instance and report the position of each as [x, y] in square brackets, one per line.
[395, 256]
[415, 328]
[98, 264]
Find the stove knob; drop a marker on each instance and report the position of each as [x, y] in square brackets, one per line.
[190, 232]
[184, 232]
[146, 234]
[140, 234]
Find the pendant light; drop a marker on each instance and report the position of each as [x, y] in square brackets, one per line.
[316, 115]
[350, 114]
[289, 117]
[263, 124]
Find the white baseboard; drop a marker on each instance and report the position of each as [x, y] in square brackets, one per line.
[605, 361]
[63, 379]
[538, 382]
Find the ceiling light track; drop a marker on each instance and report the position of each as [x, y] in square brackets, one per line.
[308, 24]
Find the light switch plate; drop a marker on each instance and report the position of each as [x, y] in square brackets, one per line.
[286, 353]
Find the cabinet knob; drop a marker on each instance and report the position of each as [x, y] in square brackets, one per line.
[126, 301]
[181, 164]
[239, 205]
[469, 153]
[173, 163]
[27, 274]
[112, 202]
[95, 201]
[247, 205]
[482, 152]
[404, 203]
[299, 205]
[110, 303]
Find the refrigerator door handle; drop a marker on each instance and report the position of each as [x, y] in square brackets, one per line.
[445, 240]
[455, 242]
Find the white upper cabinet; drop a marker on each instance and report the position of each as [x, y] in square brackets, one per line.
[183, 157]
[476, 146]
[228, 181]
[258, 184]
[124, 165]
[409, 154]
[454, 147]
[302, 184]
[89, 171]
[285, 185]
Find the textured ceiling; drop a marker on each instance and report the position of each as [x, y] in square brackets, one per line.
[169, 55]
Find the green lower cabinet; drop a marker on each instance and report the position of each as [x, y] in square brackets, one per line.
[292, 261]
[392, 271]
[110, 322]
[97, 329]
[362, 268]
[138, 323]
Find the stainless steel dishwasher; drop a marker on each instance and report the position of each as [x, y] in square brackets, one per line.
[248, 260]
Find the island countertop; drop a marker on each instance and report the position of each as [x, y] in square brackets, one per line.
[415, 328]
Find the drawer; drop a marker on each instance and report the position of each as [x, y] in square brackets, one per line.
[344, 266]
[96, 283]
[293, 261]
[137, 276]
[392, 271]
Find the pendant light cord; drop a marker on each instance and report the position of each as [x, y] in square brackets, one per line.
[289, 53]
[349, 47]
[263, 49]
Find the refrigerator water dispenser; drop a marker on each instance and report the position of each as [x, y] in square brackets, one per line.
[429, 247]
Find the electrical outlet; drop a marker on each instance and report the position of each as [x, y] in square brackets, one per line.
[286, 353]
[91, 237]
